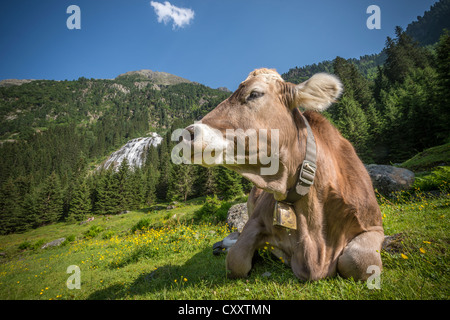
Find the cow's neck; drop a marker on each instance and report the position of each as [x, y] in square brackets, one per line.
[292, 158]
[306, 168]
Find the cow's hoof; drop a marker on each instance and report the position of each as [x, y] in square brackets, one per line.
[218, 248]
[223, 246]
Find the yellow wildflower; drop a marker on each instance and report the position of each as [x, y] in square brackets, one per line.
[422, 250]
[404, 256]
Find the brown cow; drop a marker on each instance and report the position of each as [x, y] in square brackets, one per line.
[338, 224]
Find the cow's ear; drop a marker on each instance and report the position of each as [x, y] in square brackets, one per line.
[318, 93]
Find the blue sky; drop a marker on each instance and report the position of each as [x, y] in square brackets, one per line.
[221, 44]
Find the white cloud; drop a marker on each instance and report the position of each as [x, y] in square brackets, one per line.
[166, 12]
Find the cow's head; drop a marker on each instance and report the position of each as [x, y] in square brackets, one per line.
[260, 112]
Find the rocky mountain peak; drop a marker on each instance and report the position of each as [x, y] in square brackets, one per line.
[156, 77]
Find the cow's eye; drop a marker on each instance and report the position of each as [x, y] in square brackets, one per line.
[254, 95]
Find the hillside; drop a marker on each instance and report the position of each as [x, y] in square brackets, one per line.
[96, 115]
[428, 28]
[366, 65]
[54, 134]
[29, 105]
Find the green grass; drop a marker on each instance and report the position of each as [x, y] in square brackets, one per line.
[429, 158]
[170, 257]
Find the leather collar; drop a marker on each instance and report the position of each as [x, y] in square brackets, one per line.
[307, 170]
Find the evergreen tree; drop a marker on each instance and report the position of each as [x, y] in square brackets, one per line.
[442, 99]
[30, 214]
[403, 54]
[50, 200]
[421, 113]
[355, 85]
[209, 181]
[203, 181]
[227, 182]
[375, 122]
[80, 204]
[180, 182]
[123, 186]
[348, 114]
[107, 195]
[136, 185]
[9, 210]
[150, 176]
[381, 83]
[352, 123]
[151, 180]
[165, 165]
[76, 177]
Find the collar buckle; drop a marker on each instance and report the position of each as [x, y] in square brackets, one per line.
[307, 172]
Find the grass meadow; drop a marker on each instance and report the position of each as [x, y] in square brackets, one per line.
[167, 254]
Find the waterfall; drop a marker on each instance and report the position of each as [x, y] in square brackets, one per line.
[134, 151]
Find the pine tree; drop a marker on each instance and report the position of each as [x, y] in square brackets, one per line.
[123, 184]
[375, 124]
[352, 123]
[381, 83]
[209, 182]
[165, 165]
[50, 200]
[30, 214]
[403, 54]
[151, 180]
[80, 204]
[180, 182]
[76, 177]
[227, 183]
[355, 84]
[107, 195]
[348, 114]
[136, 188]
[442, 99]
[9, 209]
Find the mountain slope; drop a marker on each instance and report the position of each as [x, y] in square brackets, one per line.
[428, 28]
[48, 126]
[155, 77]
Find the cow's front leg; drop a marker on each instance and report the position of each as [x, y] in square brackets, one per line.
[240, 255]
[360, 254]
